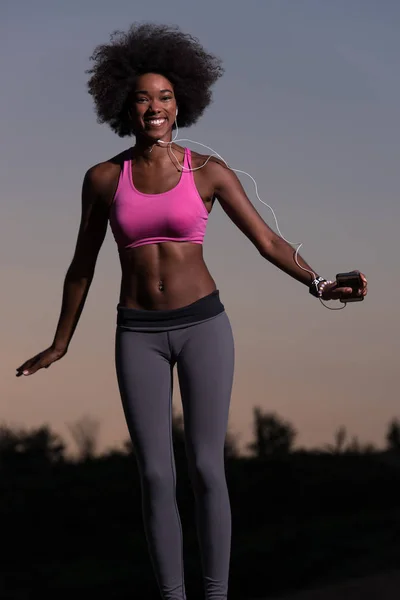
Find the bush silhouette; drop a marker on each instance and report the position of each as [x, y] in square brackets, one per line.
[272, 435]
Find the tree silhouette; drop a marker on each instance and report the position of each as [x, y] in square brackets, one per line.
[340, 437]
[272, 435]
[127, 446]
[44, 444]
[85, 435]
[231, 449]
[393, 436]
[178, 429]
[10, 446]
[356, 447]
[39, 447]
[342, 446]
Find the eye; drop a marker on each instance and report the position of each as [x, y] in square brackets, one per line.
[141, 100]
[166, 98]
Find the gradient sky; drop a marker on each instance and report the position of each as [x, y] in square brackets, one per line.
[309, 106]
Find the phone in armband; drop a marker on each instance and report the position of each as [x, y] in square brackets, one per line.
[351, 279]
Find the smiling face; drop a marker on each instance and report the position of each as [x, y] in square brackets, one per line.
[153, 107]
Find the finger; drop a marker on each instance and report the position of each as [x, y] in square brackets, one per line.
[34, 366]
[43, 364]
[338, 293]
[343, 291]
[24, 373]
[33, 369]
[27, 365]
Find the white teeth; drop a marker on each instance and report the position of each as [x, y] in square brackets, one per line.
[156, 121]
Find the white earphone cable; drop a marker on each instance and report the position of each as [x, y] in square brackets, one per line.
[214, 153]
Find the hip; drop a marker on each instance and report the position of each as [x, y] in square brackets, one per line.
[204, 309]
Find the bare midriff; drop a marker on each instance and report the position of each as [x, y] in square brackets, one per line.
[164, 276]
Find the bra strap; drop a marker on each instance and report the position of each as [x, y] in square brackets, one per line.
[187, 162]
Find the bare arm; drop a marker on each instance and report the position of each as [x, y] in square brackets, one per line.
[96, 191]
[92, 231]
[234, 201]
[236, 204]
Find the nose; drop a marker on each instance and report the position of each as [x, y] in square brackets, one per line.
[154, 107]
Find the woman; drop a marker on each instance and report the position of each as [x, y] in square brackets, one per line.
[157, 197]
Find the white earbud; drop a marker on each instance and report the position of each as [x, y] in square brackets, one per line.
[176, 111]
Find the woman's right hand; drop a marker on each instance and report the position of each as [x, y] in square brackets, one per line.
[43, 360]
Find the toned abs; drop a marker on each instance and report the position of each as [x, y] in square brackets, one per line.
[164, 276]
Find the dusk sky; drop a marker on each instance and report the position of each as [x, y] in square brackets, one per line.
[309, 106]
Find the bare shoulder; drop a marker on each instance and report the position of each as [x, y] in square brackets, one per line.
[212, 161]
[216, 171]
[101, 179]
[106, 171]
[210, 164]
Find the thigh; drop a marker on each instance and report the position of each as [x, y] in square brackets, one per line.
[205, 369]
[145, 384]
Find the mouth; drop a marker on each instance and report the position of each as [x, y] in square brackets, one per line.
[155, 123]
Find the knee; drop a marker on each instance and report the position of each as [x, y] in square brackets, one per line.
[158, 480]
[207, 472]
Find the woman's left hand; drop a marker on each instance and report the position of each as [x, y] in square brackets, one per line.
[333, 292]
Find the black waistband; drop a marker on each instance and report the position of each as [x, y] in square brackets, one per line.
[207, 307]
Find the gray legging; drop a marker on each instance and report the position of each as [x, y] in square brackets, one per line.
[204, 354]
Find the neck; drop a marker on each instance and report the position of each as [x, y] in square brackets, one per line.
[151, 150]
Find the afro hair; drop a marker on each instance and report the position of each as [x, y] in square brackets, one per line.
[151, 48]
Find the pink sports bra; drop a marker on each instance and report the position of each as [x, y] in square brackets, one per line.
[178, 215]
